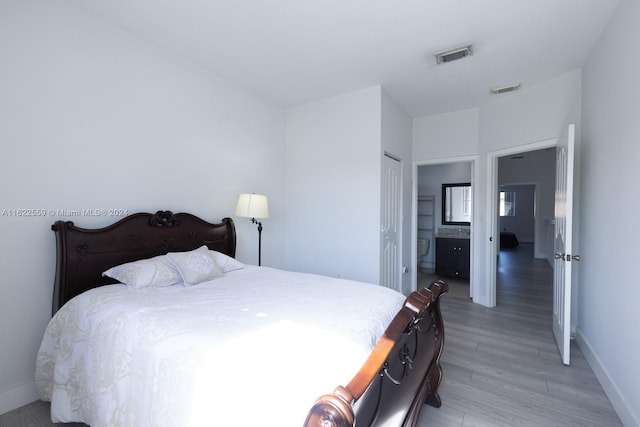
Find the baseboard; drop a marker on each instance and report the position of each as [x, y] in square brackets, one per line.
[18, 396]
[624, 411]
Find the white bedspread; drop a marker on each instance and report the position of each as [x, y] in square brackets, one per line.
[255, 347]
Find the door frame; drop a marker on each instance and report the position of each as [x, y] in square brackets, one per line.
[475, 178]
[492, 241]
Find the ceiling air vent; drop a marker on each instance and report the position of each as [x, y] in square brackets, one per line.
[505, 89]
[453, 54]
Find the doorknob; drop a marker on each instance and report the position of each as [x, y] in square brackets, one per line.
[559, 256]
[573, 257]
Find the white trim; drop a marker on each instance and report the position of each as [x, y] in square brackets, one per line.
[18, 396]
[475, 171]
[414, 226]
[492, 227]
[475, 243]
[621, 406]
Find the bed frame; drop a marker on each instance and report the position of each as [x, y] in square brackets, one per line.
[83, 254]
[400, 375]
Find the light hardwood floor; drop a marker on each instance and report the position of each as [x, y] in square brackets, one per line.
[501, 365]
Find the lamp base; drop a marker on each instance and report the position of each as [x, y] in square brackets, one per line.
[255, 221]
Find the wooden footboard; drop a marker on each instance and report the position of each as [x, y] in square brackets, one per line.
[401, 374]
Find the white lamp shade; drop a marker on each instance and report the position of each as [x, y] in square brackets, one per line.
[252, 206]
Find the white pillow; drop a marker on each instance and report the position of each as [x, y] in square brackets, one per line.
[153, 272]
[196, 266]
[226, 263]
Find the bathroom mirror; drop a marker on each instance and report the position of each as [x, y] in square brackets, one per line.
[456, 204]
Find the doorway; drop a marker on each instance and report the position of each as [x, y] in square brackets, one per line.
[523, 190]
[428, 180]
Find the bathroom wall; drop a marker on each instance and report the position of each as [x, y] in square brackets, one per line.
[430, 180]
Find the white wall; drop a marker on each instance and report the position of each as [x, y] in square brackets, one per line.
[529, 116]
[609, 289]
[521, 223]
[447, 135]
[539, 168]
[333, 186]
[515, 119]
[396, 140]
[92, 117]
[450, 138]
[608, 153]
[431, 178]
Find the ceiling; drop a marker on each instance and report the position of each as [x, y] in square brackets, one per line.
[296, 51]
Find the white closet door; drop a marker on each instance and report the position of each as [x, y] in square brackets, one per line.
[391, 223]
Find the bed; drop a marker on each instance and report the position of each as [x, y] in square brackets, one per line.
[224, 343]
[508, 240]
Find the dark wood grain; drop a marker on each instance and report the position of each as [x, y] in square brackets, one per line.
[83, 254]
[402, 372]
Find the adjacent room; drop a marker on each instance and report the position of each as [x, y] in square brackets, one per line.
[482, 143]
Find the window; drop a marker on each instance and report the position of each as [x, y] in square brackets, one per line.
[507, 203]
[466, 201]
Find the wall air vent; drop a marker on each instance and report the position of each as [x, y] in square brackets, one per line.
[453, 54]
[505, 89]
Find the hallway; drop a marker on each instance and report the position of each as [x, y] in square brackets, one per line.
[501, 365]
[524, 281]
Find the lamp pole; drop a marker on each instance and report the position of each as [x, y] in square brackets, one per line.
[254, 206]
[255, 221]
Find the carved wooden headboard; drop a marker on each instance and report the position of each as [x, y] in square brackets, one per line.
[83, 254]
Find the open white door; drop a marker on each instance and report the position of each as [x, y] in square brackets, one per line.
[391, 223]
[562, 243]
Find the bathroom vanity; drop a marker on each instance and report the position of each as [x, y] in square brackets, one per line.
[453, 257]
